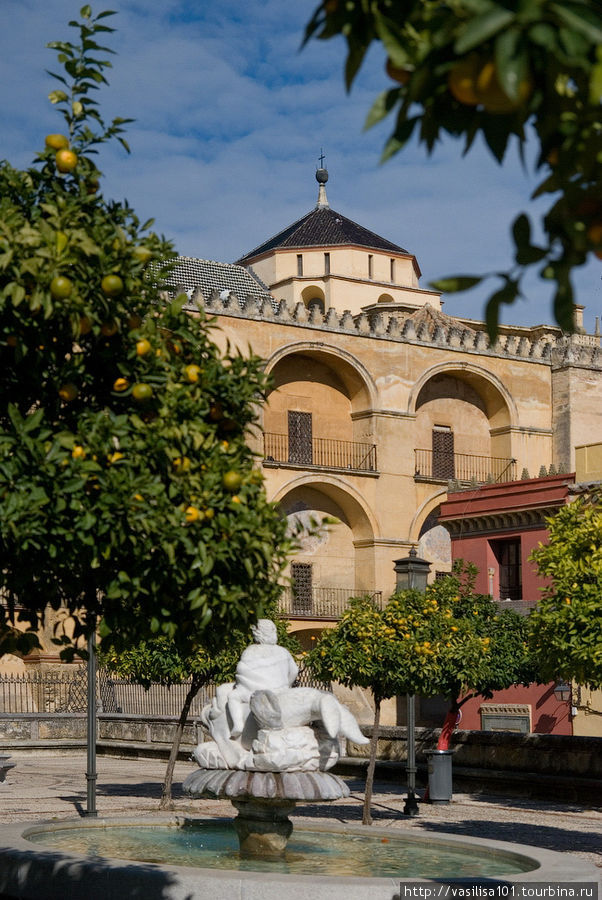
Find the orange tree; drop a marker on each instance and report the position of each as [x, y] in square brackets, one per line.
[447, 641]
[127, 490]
[566, 628]
[157, 661]
[529, 70]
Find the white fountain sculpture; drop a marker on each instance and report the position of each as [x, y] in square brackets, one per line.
[272, 744]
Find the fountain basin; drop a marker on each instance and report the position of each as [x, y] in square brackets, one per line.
[31, 870]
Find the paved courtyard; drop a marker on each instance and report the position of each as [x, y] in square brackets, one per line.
[54, 787]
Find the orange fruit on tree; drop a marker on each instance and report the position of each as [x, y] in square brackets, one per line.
[400, 74]
[594, 234]
[78, 452]
[61, 287]
[462, 79]
[56, 141]
[108, 329]
[112, 285]
[65, 160]
[492, 95]
[192, 373]
[142, 392]
[85, 325]
[232, 480]
[68, 392]
[192, 514]
[143, 347]
[11, 340]
[142, 254]
[134, 322]
[181, 463]
[121, 384]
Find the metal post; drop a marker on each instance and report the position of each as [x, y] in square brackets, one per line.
[91, 773]
[411, 806]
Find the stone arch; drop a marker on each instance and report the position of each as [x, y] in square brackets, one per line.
[424, 511]
[353, 504]
[354, 377]
[312, 295]
[498, 403]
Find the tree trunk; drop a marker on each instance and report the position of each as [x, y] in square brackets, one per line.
[166, 800]
[367, 817]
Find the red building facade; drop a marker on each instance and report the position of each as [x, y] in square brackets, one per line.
[496, 527]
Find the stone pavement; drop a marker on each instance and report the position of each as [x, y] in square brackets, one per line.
[54, 787]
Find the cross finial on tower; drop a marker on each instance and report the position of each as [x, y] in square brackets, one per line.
[322, 178]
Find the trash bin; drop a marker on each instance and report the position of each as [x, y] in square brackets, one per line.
[440, 775]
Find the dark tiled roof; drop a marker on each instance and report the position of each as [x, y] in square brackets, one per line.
[190, 273]
[323, 227]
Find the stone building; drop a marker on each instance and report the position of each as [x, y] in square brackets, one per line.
[380, 399]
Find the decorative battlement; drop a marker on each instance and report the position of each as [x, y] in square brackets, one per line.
[440, 331]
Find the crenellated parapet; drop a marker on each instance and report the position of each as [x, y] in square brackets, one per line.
[427, 327]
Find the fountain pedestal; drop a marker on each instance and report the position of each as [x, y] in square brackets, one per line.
[264, 801]
[263, 827]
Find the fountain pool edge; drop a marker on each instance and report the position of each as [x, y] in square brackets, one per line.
[30, 871]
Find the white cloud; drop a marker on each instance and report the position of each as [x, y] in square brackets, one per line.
[230, 119]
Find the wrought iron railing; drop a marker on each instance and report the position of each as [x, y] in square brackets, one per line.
[332, 454]
[44, 692]
[464, 467]
[321, 602]
[66, 692]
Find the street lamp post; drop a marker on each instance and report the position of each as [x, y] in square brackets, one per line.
[411, 574]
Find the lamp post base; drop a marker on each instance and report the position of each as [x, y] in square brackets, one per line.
[410, 807]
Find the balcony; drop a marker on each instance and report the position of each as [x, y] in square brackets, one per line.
[321, 602]
[319, 453]
[462, 467]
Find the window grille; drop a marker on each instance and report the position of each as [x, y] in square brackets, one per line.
[300, 437]
[299, 264]
[301, 578]
[443, 452]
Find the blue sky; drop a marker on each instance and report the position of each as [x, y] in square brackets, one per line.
[230, 118]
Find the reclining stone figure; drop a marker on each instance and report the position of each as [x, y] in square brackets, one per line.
[260, 722]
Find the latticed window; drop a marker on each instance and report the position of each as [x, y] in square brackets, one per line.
[301, 578]
[300, 437]
[443, 452]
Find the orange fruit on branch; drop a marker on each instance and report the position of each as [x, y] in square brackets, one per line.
[56, 141]
[66, 161]
[112, 285]
[142, 392]
[61, 287]
[143, 347]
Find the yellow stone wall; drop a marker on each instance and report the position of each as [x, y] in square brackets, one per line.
[588, 462]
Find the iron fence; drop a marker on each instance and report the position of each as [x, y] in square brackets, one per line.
[466, 467]
[66, 692]
[44, 692]
[331, 454]
[321, 602]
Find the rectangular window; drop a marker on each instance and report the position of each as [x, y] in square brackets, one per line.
[300, 437]
[443, 452]
[508, 556]
[370, 265]
[392, 271]
[302, 588]
[299, 264]
[327, 263]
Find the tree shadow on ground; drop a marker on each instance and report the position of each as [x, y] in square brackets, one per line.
[549, 837]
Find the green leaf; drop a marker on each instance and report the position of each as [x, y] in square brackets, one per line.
[581, 18]
[521, 230]
[481, 28]
[456, 283]
[57, 96]
[86, 11]
[355, 58]
[381, 107]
